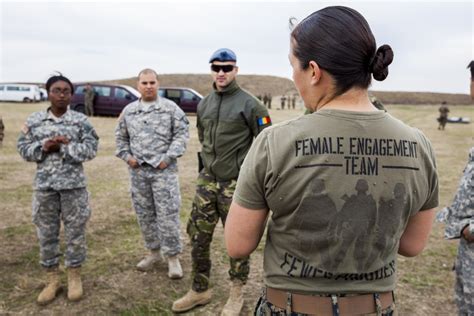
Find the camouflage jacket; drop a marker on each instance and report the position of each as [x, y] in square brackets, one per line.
[158, 133]
[461, 212]
[89, 95]
[58, 170]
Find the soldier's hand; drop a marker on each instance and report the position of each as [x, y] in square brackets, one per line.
[467, 235]
[51, 146]
[61, 139]
[162, 165]
[133, 163]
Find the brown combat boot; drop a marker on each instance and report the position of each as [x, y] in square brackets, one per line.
[74, 284]
[51, 289]
[191, 300]
[236, 300]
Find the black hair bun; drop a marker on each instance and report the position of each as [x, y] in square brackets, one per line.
[382, 58]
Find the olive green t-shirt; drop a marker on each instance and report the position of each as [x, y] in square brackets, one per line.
[341, 186]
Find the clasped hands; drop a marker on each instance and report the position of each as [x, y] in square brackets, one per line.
[133, 163]
[54, 144]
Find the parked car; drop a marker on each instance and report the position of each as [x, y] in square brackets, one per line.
[186, 98]
[109, 99]
[19, 92]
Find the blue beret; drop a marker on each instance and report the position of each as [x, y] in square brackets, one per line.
[223, 54]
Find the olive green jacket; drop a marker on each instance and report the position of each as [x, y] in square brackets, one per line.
[227, 122]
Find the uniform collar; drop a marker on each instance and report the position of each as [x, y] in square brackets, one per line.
[155, 105]
[230, 89]
[49, 116]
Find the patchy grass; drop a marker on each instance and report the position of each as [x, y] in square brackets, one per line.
[111, 283]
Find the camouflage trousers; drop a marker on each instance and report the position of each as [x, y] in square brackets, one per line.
[464, 288]
[265, 308]
[211, 202]
[156, 200]
[70, 206]
[89, 107]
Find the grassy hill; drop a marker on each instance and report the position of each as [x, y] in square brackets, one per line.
[259, 85]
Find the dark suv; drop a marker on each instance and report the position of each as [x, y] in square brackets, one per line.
[111, 99]
[108, 100]
[187, 99]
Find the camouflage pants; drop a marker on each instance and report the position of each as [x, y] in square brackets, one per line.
[211, 202]
[89, 107]
[70, 206]
[156, 200]
[464, 289]
[265, 308]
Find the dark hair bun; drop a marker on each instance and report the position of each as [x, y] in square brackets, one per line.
[379, 66]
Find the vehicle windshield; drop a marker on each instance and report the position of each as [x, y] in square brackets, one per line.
[133, 90]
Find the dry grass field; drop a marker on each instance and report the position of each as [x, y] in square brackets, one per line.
[111, 283]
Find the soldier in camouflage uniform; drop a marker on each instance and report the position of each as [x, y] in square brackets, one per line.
[443, 115]
[89, 95]
[2, 131]
[59, 140]
[227, 120]
[459, 219]
[151, 134]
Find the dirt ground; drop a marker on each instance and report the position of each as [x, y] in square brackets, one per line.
[111, 283]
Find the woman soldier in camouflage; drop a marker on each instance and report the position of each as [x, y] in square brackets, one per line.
[59, 140]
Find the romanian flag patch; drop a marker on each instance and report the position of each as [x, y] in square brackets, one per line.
[263, 120]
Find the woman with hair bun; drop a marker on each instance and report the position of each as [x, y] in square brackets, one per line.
[349, 186]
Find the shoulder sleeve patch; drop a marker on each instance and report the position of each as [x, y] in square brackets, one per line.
[263, 120]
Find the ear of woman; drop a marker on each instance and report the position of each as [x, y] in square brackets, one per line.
[315, 72]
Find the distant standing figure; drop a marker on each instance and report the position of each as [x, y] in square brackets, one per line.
[2, 131]
[471, 66]
[443, 115]
[89, 96]
[283, 99]
[265, 99]
[459, 219]
[293, 102]
[269, 101]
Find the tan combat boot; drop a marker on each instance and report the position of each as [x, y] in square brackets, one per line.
[49, 292]
[147, 263]
[236, 300]
[74, 284]
[191, 300]
[174, 268]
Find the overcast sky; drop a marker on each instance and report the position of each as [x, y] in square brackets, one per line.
[432, 41]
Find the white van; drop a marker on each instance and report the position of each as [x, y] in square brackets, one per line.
[19, 92]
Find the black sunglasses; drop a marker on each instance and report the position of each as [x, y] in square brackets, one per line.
[224, 68]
